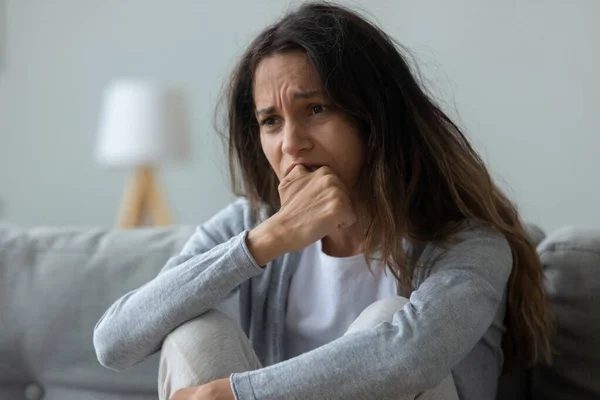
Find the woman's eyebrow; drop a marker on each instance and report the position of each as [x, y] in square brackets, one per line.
[264, 111]
[306, 95]
[297, 95]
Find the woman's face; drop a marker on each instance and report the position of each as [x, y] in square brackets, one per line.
[298, 124]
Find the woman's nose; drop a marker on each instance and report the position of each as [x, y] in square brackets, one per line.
[295, 139]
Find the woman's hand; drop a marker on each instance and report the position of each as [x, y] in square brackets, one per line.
[313, 205]
[215, 390]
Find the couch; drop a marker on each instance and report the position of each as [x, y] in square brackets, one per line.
[55, 283]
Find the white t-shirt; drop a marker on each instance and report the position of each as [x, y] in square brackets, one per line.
[327, 294]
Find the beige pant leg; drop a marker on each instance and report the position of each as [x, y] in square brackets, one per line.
[206, 348]
[383, 311]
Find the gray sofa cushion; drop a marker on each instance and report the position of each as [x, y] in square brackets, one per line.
[55, 284]
[571, 261]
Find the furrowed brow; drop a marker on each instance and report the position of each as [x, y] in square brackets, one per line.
[296, 96]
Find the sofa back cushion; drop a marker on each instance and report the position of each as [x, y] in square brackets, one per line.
[55, 284]
[571, 261]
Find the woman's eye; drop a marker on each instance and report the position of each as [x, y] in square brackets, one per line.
[268, 122]
[317, 109]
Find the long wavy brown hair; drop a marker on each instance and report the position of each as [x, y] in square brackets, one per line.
[421, 177]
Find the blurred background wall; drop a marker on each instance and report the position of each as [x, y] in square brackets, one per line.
[518, 75]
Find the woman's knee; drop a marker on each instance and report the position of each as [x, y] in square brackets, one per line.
[200, 333]
[376, 313]
[204, 349]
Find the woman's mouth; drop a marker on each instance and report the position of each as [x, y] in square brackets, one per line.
[309, 167]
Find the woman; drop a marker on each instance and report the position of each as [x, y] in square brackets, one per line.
[370, 257]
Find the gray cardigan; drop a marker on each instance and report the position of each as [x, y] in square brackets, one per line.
[452, 324]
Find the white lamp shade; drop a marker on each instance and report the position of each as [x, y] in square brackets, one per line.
[141, 124]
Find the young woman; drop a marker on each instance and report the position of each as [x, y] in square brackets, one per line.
[370, 256]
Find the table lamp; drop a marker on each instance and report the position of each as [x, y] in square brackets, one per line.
[142, 124]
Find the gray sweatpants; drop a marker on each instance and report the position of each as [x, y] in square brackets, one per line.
[213, 346]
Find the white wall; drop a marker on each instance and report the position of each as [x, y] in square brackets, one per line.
[519, 73]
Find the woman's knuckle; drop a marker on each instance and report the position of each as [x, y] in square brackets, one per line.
[336, 203]
[329, 180]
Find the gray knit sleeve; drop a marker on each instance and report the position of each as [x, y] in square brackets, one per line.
[212, 264]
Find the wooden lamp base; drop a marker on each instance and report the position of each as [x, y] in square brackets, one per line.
[143, 204]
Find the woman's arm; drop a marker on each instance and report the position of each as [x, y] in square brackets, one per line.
[445, 318]
[213, 263]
